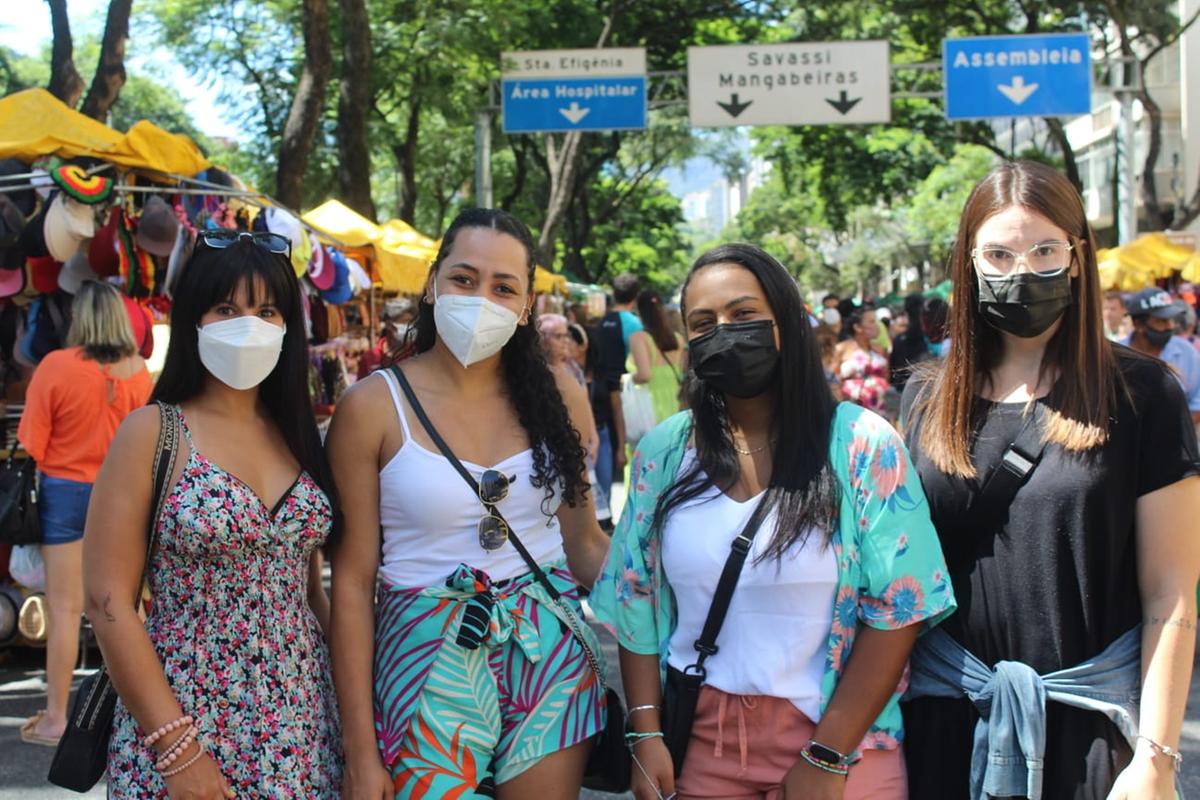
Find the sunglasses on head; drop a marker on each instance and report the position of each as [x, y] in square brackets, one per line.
[493, 487]
[221, 238]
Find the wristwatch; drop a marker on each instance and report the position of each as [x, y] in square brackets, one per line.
[827, 755]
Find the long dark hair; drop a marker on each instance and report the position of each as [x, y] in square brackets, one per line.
[558, 453]
[1089, 377]
[213, 276]
[803, 492]
[654, 319]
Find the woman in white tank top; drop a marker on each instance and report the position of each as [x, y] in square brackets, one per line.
[456, 676]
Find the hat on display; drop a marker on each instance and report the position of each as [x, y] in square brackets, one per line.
[1154, 302]
[25, 199]
[75, 272]
[43, 274]
[142, 325]
[302, 254]
[158, 227]
[360, 281]
[136, 265]
[12, 281]
[77, 184]
[31, 620]
[341, 291]
[102, 251]
[320, 268]
[175, 262]
[68, 224]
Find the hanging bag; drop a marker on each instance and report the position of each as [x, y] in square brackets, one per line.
[82, 753]
[637, 406]
[610, 764]
[19, 519]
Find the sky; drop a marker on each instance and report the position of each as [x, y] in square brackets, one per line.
[29, 31]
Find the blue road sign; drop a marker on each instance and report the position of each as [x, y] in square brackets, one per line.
[574, 104]
[1032, 75]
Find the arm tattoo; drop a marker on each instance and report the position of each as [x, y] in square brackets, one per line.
[1184, 622]
[107, 602]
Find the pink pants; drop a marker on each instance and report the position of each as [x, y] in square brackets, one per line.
[743, 746]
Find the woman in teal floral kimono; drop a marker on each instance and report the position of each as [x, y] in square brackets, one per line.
[801, 697]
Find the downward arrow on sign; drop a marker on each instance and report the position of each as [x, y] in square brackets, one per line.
[843, 104]
[1018, 92]
[733, 107]
[574, 113]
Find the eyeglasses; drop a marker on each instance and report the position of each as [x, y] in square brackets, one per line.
[493, 487]
[221, 238]
[1044, 258]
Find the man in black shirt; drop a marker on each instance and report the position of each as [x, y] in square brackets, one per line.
[911, 346]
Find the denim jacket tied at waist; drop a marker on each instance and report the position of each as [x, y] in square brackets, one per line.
[1010, 737]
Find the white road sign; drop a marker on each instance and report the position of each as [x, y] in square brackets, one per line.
[797, 83]
[609, 62]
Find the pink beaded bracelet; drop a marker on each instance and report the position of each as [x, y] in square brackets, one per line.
[184, 765]
[177, 749]
[174, 725]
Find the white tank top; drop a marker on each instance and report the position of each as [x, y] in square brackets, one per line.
[775, 639]
[430, 516]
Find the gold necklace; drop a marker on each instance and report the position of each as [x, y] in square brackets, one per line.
[756, 450]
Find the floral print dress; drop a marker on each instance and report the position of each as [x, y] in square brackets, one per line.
[238, 643]
[891, 573]
[864, 379]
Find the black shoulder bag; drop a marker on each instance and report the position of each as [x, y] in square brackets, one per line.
[609, 766]
[682, 691]
[82, 752]
[1019, 460]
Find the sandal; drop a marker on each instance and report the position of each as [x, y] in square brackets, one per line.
[31, 736]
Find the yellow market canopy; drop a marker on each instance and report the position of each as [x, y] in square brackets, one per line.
[34, 123]
[1143, 261]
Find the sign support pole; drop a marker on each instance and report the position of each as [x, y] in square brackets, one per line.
[483, 159]
[1126, 212]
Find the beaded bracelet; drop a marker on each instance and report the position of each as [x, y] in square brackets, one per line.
[177, 749]
[184, 765]
[173, 725]
[807, 756]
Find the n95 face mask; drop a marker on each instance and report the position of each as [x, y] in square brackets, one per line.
[240, 352]
[472, 328]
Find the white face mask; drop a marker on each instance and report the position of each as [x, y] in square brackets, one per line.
[240, 352]
[472, 328]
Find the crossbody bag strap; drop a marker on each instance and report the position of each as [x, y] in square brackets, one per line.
[1019, 460]
[538, 573]
[164, 467]
[739, 549]
[661, 352]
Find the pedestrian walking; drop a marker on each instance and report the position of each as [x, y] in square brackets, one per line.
[909, 347]
[395, 343]
[226, 690]
[669, 358]
[75, 401]
[1155, 314]
[861, 365]
[461, 676]
[841, 564]
[1060, 470]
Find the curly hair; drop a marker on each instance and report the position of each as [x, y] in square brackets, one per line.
[558, 452]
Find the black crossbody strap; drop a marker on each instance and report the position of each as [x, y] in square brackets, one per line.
[164, 466]
[1019, 460]
[674, 369]
[739, 549]
[453, 459]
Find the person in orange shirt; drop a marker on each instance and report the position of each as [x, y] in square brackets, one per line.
[75, 402]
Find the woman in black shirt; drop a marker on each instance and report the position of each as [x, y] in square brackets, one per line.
[1101, 535]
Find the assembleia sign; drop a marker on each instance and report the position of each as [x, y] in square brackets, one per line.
[1020, 58]
[1025, 75]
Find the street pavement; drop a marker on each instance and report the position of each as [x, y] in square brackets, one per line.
[23, 767]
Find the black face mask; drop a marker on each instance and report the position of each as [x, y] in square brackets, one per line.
[738, 359]
[1157, 339]
[1024, 305]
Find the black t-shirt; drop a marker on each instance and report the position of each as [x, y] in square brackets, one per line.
[908, 348]
[1057, 582]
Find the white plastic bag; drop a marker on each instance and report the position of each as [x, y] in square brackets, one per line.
[27, 568]
[637, 405]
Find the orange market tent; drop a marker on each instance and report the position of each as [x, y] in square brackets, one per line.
[34, 123]
[1143, 261]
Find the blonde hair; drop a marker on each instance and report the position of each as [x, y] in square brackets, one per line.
[100, 325]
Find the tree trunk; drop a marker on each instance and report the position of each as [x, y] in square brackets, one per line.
[110, 70]
[354, 102]
[65, 83]
[1070, 166]
[406, 162]
[307, 106]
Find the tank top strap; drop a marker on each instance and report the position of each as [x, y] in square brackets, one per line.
[394, 388]
[183, 426]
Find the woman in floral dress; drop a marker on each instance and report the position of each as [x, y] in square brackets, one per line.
[844, 567]
[226, 690]
[862, 368]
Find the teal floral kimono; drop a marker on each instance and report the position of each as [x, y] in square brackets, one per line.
[891, 572]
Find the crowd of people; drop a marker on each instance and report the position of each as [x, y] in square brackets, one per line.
[943, 550]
